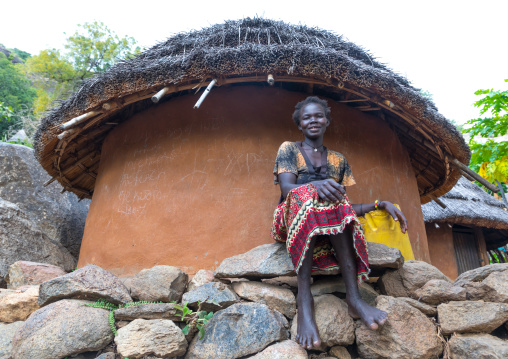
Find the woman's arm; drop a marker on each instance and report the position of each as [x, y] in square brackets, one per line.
[328, 189]
[396, 213]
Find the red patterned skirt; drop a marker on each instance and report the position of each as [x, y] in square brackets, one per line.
[304, 215]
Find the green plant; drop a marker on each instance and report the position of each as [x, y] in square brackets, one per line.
[193, 319]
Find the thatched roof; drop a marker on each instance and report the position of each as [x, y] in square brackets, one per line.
[244, 52]
[469, 205]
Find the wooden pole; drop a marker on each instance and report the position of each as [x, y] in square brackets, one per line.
[47, 183]
[77, 120]
[503, 195]
[158, 95]
[464, 169]
[66, 133]
[205, 93]
[437, 200]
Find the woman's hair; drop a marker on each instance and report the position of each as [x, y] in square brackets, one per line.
[309, 100]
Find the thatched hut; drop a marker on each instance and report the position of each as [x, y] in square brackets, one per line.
[175, 185]
[460, 235]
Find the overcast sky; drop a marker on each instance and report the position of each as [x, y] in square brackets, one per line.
[449, 48]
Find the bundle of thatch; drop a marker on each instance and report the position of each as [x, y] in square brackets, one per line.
[469, 205]
[245, 52]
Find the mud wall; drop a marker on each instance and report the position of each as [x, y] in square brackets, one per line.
[441, 249]
[189, 188]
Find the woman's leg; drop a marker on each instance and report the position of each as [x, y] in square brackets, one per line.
[307, 334]
[346, 256]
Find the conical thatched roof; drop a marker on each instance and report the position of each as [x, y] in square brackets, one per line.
[244, 52]
[469, 205]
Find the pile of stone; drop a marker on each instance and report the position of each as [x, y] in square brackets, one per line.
[43, 313]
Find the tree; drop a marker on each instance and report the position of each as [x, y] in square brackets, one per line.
[90, 50]
[96, 48]
[490, 159]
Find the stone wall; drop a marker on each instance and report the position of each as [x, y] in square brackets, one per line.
[252, 297]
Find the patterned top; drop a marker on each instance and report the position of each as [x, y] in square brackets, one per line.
[290, 159]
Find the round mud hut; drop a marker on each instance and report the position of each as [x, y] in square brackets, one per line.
[183, 182]
[460, 235]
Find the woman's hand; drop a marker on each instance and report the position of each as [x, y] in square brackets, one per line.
[395, 213]
[329, 190]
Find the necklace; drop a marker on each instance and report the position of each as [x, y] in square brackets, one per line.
[315, 148]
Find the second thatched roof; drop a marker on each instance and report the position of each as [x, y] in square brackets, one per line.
[245, 52]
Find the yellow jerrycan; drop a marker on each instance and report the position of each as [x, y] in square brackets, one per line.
[379, 227]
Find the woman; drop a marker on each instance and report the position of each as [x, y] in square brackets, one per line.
[318, 223]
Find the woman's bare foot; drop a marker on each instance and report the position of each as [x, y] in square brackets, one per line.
[372, 317]
[307, 333]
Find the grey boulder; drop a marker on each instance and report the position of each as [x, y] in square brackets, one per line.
[61, 217]
[265, 261]
[275, 297]
[159, 337]
[212, 296]
[7, 332]
[148, 311]
[437, 291]
[335, 325]
[479, 274]
[160, 283]
[31, 273]
[22, 240]
[410, 277]
[406, 334]
[477, 346]
[60, 329]
[471, 316]
[90, 282]
[243, 329]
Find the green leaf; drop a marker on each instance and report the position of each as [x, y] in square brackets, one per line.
[201, 331]
[185, 329]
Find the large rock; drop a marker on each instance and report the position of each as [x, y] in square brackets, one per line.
[31, 273]
[18, 305]
[471, 316]
[405, 281]
[265, 261]
[428, 310]
[59, 216]
[382, 257]
[21, 239]
[90, 282]
[407, 334]
[286, 349]
[202, 276]
[60, 329]
[159, 283]
[213, 296]
[477, 346]
[437, 291]
[339, 352]
[148, 311]
[243, 329]
[335, 325]
[7, 332]
[159, 337]
[337, 285]
[275, 297]
[479, 274]
[494, 288]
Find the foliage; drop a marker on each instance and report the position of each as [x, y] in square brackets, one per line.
[95, 48]
[490, 159]
[90, 50]
[194, 319]
[16, 90]
[23, 55]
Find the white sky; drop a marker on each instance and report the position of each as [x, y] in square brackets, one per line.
[447, 47]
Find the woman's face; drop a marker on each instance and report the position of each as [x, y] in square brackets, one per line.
[313, 121]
